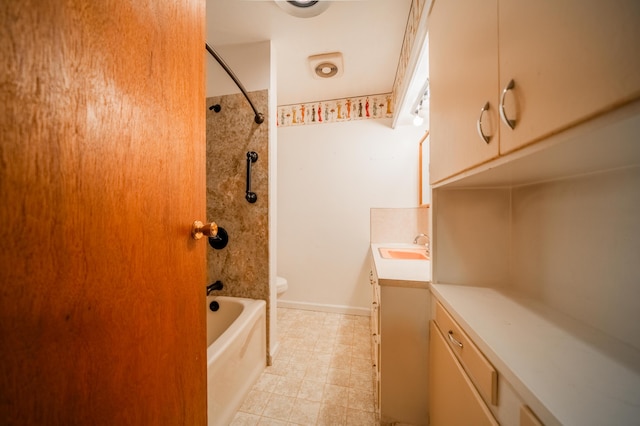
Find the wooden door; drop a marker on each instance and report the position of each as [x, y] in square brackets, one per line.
[463, 77]
[570, 61]
[102, 161]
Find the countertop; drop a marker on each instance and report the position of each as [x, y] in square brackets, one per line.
[401, 272]
[567, 372]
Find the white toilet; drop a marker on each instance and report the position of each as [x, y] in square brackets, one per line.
[281, 285]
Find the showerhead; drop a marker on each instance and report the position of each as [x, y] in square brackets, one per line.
[215, 107]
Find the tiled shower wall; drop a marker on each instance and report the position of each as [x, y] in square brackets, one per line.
[243, 266]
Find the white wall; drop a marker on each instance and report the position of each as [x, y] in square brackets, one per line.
[251, 63]
[471, 236]
[329, 176]
[576, 246]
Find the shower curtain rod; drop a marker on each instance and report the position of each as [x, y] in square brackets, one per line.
[259, 118]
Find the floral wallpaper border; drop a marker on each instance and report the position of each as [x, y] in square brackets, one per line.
[338, 110]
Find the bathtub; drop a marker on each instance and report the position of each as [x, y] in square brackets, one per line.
[236, 354]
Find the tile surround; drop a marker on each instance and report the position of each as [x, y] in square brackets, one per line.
[243, 266]
[322, 374]
[398, 225]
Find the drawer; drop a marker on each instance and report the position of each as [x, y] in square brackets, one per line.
[482, 373]
[453, 398]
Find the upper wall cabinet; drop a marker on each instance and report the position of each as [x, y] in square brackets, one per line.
[555, 65]
[463, 77]
[570, 60]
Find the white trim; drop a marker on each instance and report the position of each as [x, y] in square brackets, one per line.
[338, 309]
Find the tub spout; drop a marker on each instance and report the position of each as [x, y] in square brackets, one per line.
[213, 287]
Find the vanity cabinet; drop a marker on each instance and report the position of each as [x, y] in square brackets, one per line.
[512, 226]
[404, 348]
[568, 61]
[464, 384]
[400, 312]
[453, 398]
[479, 369]
[375, 335]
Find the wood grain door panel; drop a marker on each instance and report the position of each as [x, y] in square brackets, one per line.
[101, 174]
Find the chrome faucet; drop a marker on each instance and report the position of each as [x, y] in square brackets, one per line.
[427, 243]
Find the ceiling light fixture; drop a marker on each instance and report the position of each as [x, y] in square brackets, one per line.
[303, 8]
[422, 109]
[303, 3]
[417, 119]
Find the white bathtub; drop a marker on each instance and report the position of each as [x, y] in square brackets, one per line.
[236, 354]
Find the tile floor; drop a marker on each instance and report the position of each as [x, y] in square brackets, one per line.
[322, 374]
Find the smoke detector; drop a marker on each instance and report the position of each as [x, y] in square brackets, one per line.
[303, 8]
[327, 65]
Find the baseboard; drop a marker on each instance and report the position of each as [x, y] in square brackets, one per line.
[336, 309]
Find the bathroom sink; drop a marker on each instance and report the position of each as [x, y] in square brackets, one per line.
[404, 253]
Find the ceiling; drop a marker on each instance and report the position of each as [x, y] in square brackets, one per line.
[369, 33]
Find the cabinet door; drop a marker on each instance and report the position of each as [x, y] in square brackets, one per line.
[453, 400]
[463, 74]
[570, 60]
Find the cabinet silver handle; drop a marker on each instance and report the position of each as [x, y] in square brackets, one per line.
[453, 339]
[503, 115]
[484, 137]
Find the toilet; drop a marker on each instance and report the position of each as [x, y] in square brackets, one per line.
[281, 285]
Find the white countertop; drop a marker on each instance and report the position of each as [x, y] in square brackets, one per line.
[567, 372]
[401, 272]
